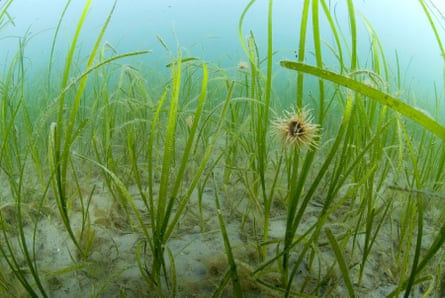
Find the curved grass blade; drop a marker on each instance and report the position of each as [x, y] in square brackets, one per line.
[433, 27]
[341, 262]
[94, 67]
[318, 58]
[240, 32]
[182, 61]
[353, 27]
[335, 33]
[396, 104]
[53, 44]
[5, 8]
[237, 291]
[301, 51]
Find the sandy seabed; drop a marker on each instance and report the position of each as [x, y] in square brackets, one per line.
[197, 246]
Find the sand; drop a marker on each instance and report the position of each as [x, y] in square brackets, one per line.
[111, 268]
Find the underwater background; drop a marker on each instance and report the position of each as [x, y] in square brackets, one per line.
[222, 148]
[209, 30]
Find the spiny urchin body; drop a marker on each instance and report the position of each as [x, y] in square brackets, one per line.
[296, 128]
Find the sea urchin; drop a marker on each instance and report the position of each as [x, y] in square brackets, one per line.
[296, 128]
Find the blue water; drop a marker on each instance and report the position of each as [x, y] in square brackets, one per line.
[209, 30]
